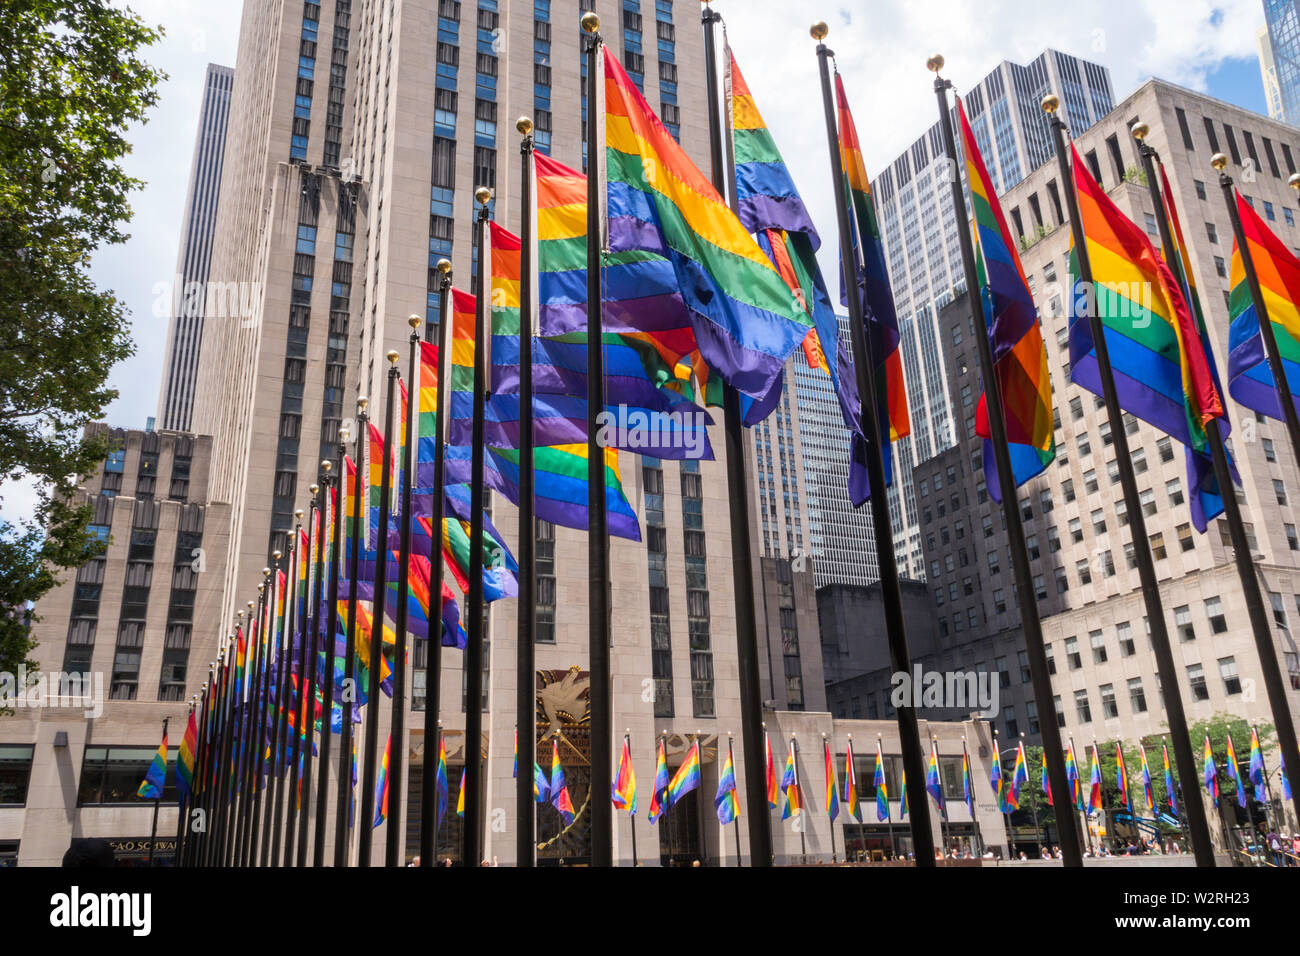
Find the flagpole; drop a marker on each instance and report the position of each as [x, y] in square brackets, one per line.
[889, 810]
[271, 845]
[327, 629]
[393, 851]
[222, 791]
[942, 801]
[738, 494]
[289, 722]
[153, 832]
[663, 817]
[342, 803]
[471, 831]
[195, 850]
[1031, 624]
[366, 836]
[525, 655]
[263, 694]
[299, 695]
[437, 804]
[830, 760]
[1165, 666]
[736, 828]
[230, 816]
[262, 815]
[803, 804]
[212, 841]
[313, 655]
[977, 839]
[247, 726]
[598, 619]
[627, 742]
[900, 658]
[187, 802]
[433, 656]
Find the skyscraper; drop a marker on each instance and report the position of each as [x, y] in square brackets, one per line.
[920, 234]
[1280, 56]
[189, 293]
[1268, 74]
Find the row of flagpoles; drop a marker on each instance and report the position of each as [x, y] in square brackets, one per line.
[256, 727]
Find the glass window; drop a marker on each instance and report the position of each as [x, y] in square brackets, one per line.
[113, 775]
[15, 773]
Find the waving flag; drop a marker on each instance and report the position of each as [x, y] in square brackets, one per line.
[441, 780]
[832, 784]
[1211, 772]
[851, 787]
[1019, 777]
[185, 759]
[1250, 381]
[1019, 356]
[882, 788]
[745, 320]
[1286, 783]
[1258, 775]
[559, 791]
[1121, 778]
[155, 778]
[541, 786]
[1072, 777]
[1043, 783]
[933, 784]
[659, 796]
[381, 786]
[967, 788]
[460, 799]
[771, 773]
[1234, 771]
[1169, 781]
[791, 805]
[687, 777]
[902, 810]
[1148, 791]
[871, 278]
[623, 789]
[1160, 368]
[1094, 784]
[726, 801]
[995, 775]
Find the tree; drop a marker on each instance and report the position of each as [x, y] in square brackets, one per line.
[71, 83]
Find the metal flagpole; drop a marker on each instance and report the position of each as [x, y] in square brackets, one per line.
[826, 750]
[889, 810]
[299, 696]
[342, 804]
[663, 816]
[627, 741]
[977, 839]
[525, 657]
[366, 820]
[1165, 666]
[735, 822]
[313, 654]
[433, 659]
[800, 825]
[153, 831]
[221, 787]
[263, 696]
[249, 726]
[472, 827]
[271, 841]
[1264, 644]
[738, 495]
[900, 658]
[943, 803]
[598, 608]
[393, 851]
[329, 646]
[1031, 625]
[293, 630]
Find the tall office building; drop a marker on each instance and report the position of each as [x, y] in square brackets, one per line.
[190, 289]
[1268, 74]
[1279, 57]
[921, 239]
[1077, 535]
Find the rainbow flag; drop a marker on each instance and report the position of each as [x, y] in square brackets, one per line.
[623, 789]
[770, 207]
[460, 799]
[933, 783]
[1211, 772]
[155, 778]
[902, 811]
[1019, 777]
[541, 786]
[1234, 771]
[1072, 777]
[1169, 779]
[441, 780]
[381, 786]
[1044, 784]
[771, 773]
[1158, 357]
[1121, 778]
[967, 788]
[659, 796]
[851, 809]
[687, 777]
[1148, 789]
[832, 784]
[745, 320]
[882, 788]
[1250, 381]
[726, 801]
[791, 805]
[241, 665]
[1286, 783]
[1258, 775]
[185, 759]
[1019, 356]
[559, 791]
[1094, 784]
[872, 280]
[995, 776]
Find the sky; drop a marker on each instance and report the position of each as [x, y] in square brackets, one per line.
[881, 47]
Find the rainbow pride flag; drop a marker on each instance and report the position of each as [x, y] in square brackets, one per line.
[851, 809]
[771, 772]
[1234, 771]
[541, 786]
[791, 805]
[381, 786]
[441, 780]
[933, 783]
[559, 790]
[726, 801]
[1169, 780]
[967, 787]
[1121, 778]
[155, 778]
[1211, 772]
[1250, 381]
[744, 318]
[1072, 777]
[623, 789]
[460, 799]
[1148, 790]
[687, 777]
[1094, 783]
[882, 787]
[902, 810]
[1156, 352]
[1258, 775]
[185, 759]
[659, 795]
[1019, 356]
[832, 784]
[1044, 784]
[1019, 777]
[872, 281]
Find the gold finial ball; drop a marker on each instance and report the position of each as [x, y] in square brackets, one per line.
[298, 514]
[444, 266]
[393, 355]
[326, 465]
[239, 614]
[1051, 103]
[313, 488]
[413, 321]
[819, 31]
[362, 402]
[935, 63]
[1140, 131]
[483, 195]
[1219, 161]
[590, 22]
[250, 605]
[525, 125]
[266, 572]
[1294, 181]
[260, 588]
[277, 554]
